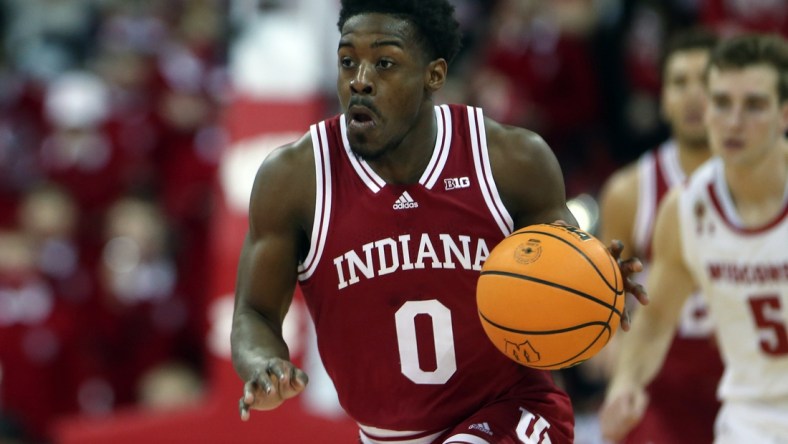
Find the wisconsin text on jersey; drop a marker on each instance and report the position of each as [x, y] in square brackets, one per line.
[397, 254]
[747, 273]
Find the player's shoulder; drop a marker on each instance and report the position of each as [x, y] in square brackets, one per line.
[703, 176]
[296, 157]
[515, 144]
[287, 177]
[623, 182]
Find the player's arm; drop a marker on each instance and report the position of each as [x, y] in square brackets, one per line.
[618, 202]
[642, 351]
[266, 279]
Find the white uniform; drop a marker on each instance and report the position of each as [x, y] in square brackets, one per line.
[744, 274]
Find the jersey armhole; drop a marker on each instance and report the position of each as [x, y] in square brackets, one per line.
[481, 162]
[323, 200]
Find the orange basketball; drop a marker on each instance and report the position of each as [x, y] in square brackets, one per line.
[550, 296]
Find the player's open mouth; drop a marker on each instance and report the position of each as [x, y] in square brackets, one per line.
[360, 118]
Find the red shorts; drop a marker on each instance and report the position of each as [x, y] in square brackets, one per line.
[515, 421]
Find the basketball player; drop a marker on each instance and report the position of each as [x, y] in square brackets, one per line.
[683, 403]
[725, 232]
[384, 215]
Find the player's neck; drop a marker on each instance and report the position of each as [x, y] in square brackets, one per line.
[758, 190]
[691, 156]
[406, 162]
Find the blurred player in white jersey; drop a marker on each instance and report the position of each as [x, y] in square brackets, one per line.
[682, 399]
[725, 232]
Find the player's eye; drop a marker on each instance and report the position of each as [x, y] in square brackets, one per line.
[385, 64]
[346, 62]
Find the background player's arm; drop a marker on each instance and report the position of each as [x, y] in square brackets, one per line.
[267, 275]
[618, 207]
[643, 349]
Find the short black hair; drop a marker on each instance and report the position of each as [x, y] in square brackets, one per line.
[688, 39]
[747, 50]
[434, 19]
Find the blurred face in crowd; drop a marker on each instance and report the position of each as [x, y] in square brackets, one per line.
[745, 118]
[684, 95]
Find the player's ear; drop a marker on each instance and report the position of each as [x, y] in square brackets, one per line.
[436, 75]
[784, 115]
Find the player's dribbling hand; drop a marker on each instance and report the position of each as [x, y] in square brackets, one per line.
[628, 268]
[275, 381]
[621, 412]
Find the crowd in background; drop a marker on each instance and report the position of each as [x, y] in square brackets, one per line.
[111, 134]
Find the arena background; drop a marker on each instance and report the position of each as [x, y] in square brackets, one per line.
[130, 133]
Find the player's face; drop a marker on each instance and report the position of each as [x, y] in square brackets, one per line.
[381, 81]
[744, 117]
[684, 95]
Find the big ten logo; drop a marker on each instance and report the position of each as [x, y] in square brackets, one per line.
[320, 398]
[454, 183]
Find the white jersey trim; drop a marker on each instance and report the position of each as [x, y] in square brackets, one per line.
[373, 181]
[466, 438]
[670, 163]
[667, 156]
[322, 201]
[442, 147]
[647, 201]
[374, 435]
[481, 160]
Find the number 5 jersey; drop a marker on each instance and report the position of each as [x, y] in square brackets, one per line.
[743, 272]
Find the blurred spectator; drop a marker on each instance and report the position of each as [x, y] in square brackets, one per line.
[537, 72]
[731, 17]
[170, 386]
[101, 100]
[34, 333]
[46, 37]
[140, 318]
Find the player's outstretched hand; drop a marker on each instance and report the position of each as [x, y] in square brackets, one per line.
[275, 381]
[628, 268]
[621, 412]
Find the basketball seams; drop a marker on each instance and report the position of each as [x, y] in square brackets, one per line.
[552, 284]
[558, 365]
[546, 332]
[581, 252]
[581, 335]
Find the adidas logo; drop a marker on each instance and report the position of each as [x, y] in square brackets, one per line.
[405, 202]
[482, 427]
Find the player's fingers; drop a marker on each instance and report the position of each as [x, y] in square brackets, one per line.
[295, 383]
[258, 382]
[639, 291]
[616, 248]
[301, 377]
[243, 409]
[631, 266]
[626, 321]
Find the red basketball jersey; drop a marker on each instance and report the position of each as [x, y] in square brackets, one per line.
[683, 402]
[390, 280]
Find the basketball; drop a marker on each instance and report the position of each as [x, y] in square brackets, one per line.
[550, 296]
